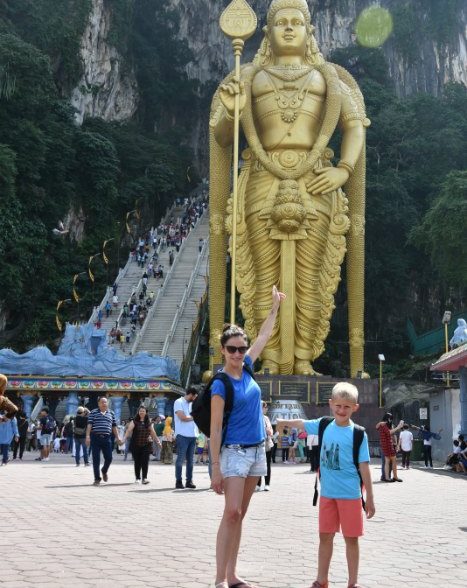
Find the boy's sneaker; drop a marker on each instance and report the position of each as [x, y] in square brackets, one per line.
[179, 485]
[266, 488]
[145, 481]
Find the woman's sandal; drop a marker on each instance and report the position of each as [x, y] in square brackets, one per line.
[316, 584]
[222, 585]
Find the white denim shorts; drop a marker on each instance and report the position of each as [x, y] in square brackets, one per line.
[243, 462]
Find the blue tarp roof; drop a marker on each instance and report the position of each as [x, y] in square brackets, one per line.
[82, 354]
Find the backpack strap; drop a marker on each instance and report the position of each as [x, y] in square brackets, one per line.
[229, 397]
[323, 423]
[358, 436]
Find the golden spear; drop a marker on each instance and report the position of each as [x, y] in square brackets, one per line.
[238, 22]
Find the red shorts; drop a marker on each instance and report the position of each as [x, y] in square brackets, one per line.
[339, 514]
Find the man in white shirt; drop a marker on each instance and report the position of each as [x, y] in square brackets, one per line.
[185, 433]
[405, 445]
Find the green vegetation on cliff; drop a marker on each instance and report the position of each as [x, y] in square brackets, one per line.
[50, 167]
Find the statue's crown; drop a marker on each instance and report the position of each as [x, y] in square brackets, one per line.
[277, 5]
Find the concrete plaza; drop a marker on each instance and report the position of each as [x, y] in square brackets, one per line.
[59, 530]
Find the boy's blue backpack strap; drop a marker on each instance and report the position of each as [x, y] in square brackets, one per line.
[358, 436]
[323, 423]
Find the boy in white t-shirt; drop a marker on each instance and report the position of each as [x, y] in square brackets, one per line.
[405, 446]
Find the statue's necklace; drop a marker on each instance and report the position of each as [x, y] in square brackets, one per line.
[288, 73]
[289, 98]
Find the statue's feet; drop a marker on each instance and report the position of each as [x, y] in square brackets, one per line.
[271, 366]
[304, 368]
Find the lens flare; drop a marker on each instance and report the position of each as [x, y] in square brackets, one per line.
[374, 25]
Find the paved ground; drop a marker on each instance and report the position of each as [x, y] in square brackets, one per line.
[58, 530]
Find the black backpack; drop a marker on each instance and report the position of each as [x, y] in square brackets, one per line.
[50, 425]
[358, 436]
[201, 408]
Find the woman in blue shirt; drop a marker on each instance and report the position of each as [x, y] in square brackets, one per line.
[237, 465]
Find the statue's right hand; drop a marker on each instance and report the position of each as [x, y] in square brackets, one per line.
[227, 93]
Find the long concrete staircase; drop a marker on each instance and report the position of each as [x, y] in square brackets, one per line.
[171, 318]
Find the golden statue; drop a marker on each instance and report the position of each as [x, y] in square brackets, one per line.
[294, 222]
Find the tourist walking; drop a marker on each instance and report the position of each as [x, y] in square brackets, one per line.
[101, 425]
[405, 446]
[79, 432]
[8, 431]
[23, 427]
[47, 428]
[185, 437]
[167, 442]
[268, 444]
[238, 455]
[142, 434]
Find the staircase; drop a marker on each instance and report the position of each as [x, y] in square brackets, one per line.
[175, 311]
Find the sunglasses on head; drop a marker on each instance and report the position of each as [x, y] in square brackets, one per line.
[232, 349]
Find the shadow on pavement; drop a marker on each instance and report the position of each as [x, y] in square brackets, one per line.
[441, 472]
[104, 485]
[171, 489]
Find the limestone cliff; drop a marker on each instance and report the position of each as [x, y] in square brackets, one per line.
[426, 70]
[107, 89]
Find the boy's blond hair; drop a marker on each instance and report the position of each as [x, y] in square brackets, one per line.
[345, 391]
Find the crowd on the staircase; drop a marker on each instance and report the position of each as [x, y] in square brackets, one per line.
[167, 236]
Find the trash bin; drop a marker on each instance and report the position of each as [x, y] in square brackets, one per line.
[417, 450]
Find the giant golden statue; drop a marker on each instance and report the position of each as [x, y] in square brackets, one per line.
[295, 224]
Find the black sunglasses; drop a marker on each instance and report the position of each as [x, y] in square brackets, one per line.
[232, 349]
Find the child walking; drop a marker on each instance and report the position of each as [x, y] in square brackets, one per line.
[340, 506]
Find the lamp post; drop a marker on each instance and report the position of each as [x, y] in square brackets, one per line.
[446, 320]
[382, 359]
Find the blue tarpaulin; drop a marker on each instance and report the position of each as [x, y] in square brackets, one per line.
[84, 352]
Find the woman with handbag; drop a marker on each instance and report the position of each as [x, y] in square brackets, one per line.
[142, 434]
[269, 444]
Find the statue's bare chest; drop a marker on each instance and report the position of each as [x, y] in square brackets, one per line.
[286, 97]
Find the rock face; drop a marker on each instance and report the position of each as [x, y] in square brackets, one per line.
[105, 90]
[435, 64]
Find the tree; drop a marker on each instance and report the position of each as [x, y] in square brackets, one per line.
[442, 232]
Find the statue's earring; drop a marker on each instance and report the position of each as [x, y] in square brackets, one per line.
[266, 54]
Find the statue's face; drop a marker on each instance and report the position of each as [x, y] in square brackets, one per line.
[288, 34]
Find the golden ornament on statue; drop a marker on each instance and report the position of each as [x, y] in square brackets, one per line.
[238, 21]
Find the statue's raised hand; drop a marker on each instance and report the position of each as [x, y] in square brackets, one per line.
[227, 93]
[327, 180]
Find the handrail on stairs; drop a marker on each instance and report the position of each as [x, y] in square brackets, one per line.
[152, 310]
[181, 306]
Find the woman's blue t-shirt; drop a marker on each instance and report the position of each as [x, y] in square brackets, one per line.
[246, 423]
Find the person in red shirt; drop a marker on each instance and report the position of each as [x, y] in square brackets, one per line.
[387, 446]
